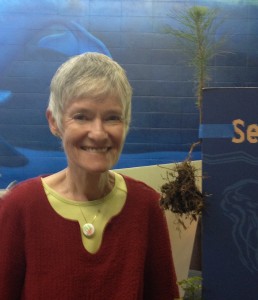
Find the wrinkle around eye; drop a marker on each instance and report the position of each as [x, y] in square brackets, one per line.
[80, 117]
[115, 119]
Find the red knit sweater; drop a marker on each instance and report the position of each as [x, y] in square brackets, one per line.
[42, 256]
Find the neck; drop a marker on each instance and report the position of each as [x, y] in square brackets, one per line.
[81, 187]
[88, 186]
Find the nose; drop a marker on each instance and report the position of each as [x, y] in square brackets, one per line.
[97, 130]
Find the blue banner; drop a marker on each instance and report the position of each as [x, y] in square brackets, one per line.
[230, 168]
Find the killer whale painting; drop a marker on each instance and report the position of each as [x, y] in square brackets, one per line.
[73, 40]
[37, 36]
[49, 41]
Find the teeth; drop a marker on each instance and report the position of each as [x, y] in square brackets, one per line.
[95, 150]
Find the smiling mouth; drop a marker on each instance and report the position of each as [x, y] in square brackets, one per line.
[96, 150]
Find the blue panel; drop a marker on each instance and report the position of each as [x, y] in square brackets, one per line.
[230, 220]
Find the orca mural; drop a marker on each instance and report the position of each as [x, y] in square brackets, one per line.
[37, 36]
[48, 41]
[73, 39]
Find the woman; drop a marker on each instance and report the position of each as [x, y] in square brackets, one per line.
[86, 232]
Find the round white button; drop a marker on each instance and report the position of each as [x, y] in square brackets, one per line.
[88, 229]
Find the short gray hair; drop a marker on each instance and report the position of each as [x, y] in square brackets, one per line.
[91, 75]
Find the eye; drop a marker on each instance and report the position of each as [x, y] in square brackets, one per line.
[81, 117]
[114, 118]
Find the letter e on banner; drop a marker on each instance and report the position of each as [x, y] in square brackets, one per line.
[252, 133]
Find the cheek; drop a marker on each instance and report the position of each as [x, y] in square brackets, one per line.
[69, 139]
[121, 135]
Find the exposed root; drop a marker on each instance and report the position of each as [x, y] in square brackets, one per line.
[181, 195]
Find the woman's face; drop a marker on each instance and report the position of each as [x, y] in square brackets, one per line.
[93, 134]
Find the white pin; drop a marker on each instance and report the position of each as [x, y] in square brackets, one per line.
[88, 229]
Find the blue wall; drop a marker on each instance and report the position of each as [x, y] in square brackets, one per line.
[37, 36]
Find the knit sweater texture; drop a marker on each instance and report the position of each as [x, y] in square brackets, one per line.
[42, 256]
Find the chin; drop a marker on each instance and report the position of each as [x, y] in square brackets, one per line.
[98, 169]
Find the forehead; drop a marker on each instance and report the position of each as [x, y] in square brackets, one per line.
[88, 103]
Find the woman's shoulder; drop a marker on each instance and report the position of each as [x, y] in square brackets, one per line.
[21, 191]
[143, 198]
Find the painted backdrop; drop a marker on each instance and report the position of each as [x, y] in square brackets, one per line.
[37, 36]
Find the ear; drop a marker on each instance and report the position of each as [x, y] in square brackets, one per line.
[52, 123]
